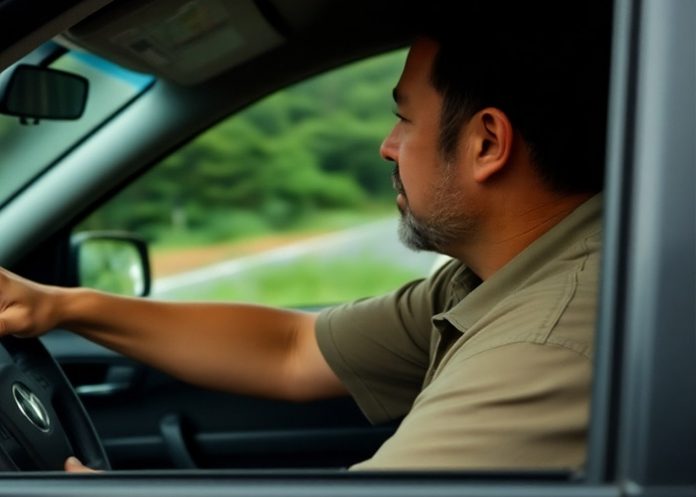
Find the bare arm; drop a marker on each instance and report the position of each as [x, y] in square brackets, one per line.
[234, 347]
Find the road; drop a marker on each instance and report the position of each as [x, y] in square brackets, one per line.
[378, 239]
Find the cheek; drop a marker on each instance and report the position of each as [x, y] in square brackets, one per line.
[418, 182]
[418, 165]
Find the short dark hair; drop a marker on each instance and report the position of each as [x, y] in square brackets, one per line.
[545, 68]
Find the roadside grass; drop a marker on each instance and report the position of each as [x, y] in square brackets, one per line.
[308, 282]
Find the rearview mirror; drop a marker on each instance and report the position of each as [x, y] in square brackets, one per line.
[33, 92]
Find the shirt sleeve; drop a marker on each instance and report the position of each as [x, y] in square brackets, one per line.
[517, 406]
[379, 347]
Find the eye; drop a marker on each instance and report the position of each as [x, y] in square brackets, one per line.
[399, 116]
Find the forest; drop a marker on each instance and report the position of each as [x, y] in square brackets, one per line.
[304, 156]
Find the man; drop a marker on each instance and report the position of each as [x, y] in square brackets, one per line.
[498, 154]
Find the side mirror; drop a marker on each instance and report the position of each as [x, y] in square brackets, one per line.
[113, 262]
[32, 92]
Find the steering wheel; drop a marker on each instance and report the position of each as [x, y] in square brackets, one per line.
[42, 421]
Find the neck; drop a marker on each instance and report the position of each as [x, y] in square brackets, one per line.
[514, 227]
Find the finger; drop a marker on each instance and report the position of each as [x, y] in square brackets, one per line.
[73, 465]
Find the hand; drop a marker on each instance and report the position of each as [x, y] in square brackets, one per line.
[73, 465]
[27, 309]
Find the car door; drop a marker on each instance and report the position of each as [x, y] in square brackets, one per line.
[147, 419]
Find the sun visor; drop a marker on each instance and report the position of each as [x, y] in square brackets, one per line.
[185, 41]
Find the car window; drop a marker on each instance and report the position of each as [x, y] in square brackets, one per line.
[110, 87]
[286, 203]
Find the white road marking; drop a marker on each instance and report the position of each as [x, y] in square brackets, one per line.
[205, 274]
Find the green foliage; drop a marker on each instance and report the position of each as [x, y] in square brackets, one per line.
[310, 148]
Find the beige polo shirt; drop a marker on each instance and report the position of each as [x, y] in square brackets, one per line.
[488, 375]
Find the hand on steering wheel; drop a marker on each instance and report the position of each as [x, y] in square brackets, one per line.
[42, 421]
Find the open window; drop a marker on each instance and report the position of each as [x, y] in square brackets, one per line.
[286, 203]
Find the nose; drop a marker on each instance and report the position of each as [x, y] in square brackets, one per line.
[389, 148]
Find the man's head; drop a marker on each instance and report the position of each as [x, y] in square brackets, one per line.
[500, 88]
[429, 197]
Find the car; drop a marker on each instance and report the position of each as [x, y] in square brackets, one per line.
[81, 203]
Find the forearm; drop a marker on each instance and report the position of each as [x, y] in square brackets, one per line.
[234, 347]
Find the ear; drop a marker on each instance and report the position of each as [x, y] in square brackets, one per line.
[491, 134]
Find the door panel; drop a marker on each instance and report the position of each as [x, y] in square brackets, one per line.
[148, 419]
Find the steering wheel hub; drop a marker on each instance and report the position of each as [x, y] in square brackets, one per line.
[42, 421]
[32, 408]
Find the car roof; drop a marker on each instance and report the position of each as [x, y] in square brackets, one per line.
[191, 42]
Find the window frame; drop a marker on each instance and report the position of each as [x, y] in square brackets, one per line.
[645, 436]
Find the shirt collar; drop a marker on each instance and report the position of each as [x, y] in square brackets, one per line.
[475, 300]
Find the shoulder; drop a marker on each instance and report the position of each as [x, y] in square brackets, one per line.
[556, 306]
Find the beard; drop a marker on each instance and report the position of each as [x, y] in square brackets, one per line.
[445, 224]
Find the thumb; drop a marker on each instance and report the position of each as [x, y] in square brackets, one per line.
[73, 465]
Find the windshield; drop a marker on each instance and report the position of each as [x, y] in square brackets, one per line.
[28, 150]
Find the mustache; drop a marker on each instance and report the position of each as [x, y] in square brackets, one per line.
[396, 180]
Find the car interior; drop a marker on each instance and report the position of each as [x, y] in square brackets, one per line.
[201, 61]
[173, 70]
